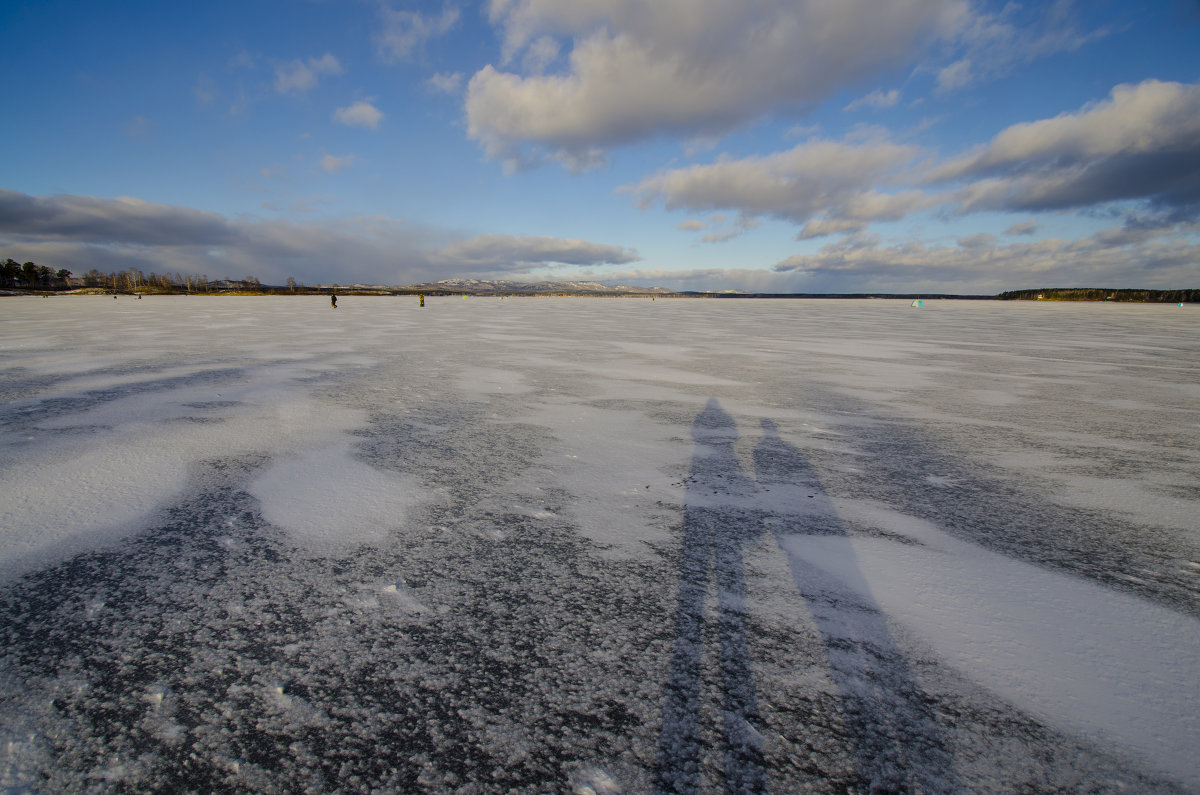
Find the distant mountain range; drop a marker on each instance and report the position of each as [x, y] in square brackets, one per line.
[488, 287]
[503, 287]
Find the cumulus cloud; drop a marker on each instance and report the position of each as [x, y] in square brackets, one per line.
[405, 32]
[834, 182]
[359, 114]
[1143, 142]
[540, 54]
[84, 232]
[298, 76]
[640, 69]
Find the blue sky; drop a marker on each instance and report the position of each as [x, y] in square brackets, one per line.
[764, 145]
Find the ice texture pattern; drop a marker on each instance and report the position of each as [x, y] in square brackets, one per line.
[598, 545]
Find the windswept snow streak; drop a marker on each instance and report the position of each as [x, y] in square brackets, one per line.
[1102, 663]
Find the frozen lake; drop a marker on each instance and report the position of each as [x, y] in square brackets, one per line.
[600, 545]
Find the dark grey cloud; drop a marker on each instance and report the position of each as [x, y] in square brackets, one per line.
[1142, 143]
[93, 220]
[982, 264]
[492, 253]
[1022, 228]
[82, 232]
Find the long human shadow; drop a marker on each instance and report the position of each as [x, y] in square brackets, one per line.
[719, 521]
[897, 742]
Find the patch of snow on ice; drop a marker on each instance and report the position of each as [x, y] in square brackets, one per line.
[326, 498]
[1085, 657]
[617, 465]
[48, 504]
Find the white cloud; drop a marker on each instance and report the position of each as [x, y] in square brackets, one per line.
[722, 232]
[737, 230]
[1141, 143]
[297, 76]
[877, 99]
[817, 179]
[405, 32]
[540, 54]
[955, 75]
[360, 114]
[991, 44]
[333, 163]
[446, 82]
[684, 67]
[326, 65]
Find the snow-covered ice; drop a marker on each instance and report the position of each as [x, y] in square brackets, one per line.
[600, 545]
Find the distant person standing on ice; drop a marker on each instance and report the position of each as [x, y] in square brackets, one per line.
[333, 301]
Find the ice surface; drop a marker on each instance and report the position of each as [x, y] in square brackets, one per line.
[598, 545]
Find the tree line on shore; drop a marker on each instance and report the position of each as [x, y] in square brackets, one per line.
[31, 276]
[1099, 294]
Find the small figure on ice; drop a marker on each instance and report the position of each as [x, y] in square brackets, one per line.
[333, 301]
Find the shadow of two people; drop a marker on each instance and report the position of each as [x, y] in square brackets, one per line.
[894, 739]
